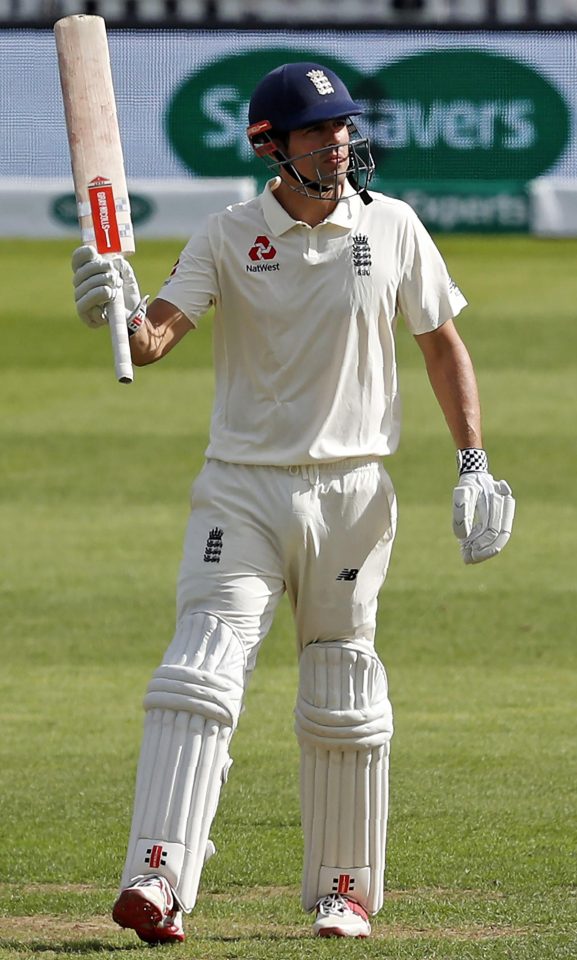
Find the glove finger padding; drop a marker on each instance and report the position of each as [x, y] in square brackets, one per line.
[93, 289]
[483, 511]
[465, 500]
[82, 255]
[96, 282]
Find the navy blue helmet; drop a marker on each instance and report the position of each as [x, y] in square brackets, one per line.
[297, 95]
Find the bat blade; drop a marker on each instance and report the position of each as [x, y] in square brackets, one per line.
[96, 155]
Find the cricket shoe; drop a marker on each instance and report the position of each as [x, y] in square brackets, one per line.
[147, 906]
[339, 916]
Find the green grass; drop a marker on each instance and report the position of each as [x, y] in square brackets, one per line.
[481, 661]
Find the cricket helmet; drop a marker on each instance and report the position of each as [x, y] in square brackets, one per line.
[297, 95]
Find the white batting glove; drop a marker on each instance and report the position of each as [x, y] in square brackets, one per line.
[483, 509]
[96, 282]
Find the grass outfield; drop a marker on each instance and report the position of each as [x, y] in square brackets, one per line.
[481, 660]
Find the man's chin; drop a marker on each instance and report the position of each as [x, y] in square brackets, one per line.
[332, 187]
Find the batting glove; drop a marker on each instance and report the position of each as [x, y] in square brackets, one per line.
[96, 282]
[483, 508]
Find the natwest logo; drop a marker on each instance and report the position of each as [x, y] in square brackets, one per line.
[262, 250]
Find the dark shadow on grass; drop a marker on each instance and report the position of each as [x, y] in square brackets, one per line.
[241, 938]
[67, 946]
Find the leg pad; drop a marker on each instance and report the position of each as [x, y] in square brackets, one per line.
[192, 707]
[344, 725]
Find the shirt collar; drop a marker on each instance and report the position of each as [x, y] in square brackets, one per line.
[344, 215]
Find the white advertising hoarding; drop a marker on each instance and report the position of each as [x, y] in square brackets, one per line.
[475, 116]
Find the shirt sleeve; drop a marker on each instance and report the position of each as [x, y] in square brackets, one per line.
[193, 283]
[427, 296]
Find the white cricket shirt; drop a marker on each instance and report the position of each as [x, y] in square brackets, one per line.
[304, 324]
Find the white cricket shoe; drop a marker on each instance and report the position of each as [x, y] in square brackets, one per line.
[339, 916]
[148, 907]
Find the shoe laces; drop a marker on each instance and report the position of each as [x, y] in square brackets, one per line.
[334, 903]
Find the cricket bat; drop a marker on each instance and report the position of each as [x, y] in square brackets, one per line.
[96, 156]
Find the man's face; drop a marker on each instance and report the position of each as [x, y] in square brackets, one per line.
[320, 153]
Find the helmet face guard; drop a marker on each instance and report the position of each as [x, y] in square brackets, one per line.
[299, 95]
[269, 147]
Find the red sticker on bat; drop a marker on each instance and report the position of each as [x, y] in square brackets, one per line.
[103, 209]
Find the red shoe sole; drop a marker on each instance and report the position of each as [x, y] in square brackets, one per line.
[338, 932]
[135, 912]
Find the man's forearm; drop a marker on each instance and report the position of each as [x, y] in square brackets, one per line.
[161, 328]
[454, 384]
[455, 387]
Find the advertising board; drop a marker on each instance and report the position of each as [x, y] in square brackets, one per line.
[460, 123]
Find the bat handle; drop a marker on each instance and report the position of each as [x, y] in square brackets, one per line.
[116, 313]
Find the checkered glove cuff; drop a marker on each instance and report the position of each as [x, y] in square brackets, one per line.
[472, 460]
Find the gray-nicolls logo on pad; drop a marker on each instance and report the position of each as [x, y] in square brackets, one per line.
[343, 884]
[321, 82]
[156, 856]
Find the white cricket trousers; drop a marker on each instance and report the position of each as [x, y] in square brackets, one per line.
[323, 533]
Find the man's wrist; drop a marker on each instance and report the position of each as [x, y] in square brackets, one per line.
[472, 460]
[136, 319]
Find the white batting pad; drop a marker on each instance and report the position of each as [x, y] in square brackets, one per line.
[192, 707]
[344, 724]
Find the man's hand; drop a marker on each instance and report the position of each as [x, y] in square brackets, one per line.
[483, 511]
[96, 281]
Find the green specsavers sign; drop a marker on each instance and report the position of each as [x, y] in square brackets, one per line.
[460, 114]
